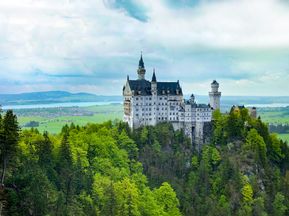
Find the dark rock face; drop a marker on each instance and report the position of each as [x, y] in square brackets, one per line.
[208, 131]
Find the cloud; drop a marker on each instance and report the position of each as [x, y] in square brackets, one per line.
[87, 45]
[130, 7]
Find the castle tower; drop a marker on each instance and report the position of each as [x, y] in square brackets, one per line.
[154, 84]
[215, 95]
[192, 99]
[154, 92]
[141, 69]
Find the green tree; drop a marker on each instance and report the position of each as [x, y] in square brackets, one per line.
[235, 124]
[9, 135]
[258, 207]
[149, 206]
[247, 193]
[127, 198]
[44, 150]
[256, 143]
[65, 169]
[279, 207]
[128, 144]
[167, 199]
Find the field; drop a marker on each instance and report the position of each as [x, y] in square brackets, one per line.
[53, 119]
[276, 116]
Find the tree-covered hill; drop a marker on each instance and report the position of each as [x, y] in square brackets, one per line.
[49, 97]
[107, 169]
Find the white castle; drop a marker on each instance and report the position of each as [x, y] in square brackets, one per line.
[149, 103]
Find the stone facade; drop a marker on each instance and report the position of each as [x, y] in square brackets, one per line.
[215, 95]
[151, 102]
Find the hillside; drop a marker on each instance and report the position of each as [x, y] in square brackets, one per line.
[107, 169]
[53, 97]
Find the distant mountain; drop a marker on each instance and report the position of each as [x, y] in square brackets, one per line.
[53, 97]
[260, 101]
[49, 97]
[246, 99]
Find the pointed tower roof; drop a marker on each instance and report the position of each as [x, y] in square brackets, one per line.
[141, 63]
[154, 79]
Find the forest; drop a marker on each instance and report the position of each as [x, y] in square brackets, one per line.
[108, 169]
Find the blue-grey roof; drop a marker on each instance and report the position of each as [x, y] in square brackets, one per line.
[201, 106]
[143, 87]
[195, 105]
[141, 63]
[215, 82]
[140, 87]
[154, 79]
[169, 88]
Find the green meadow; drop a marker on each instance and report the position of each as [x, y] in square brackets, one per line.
[53, 119]
[49, 119]
[277, 115]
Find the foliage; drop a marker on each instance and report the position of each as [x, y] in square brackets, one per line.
[90, 170]
[107, 169]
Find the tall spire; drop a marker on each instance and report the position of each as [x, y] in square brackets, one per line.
[141, 63]
[154, 79]
[141, 69]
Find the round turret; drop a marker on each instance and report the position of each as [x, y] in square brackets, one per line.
[215, 95]
[215, 86]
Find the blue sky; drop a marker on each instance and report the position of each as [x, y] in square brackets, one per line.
[91, 45]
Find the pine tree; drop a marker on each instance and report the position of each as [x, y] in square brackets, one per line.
[44, 151]
[9, 135]
[279, 206]
[65, 169]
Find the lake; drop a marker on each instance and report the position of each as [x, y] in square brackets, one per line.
[86, 104]
[268, 105]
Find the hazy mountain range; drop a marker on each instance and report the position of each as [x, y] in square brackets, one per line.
[63, 97]
[53, 97]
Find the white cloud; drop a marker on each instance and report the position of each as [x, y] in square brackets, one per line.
[59, 37]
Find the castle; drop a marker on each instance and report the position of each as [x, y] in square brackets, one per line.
[151, 102]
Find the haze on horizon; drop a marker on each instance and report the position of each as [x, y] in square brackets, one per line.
[90, 46]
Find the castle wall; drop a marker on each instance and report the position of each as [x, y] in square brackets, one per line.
[149, 103]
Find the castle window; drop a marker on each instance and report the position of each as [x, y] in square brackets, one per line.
[160, 98]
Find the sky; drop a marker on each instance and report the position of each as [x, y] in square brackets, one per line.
[92, 45]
